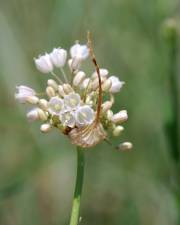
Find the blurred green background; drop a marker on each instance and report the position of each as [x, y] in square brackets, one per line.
[37, 172]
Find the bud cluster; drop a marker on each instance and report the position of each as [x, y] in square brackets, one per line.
[70, 103]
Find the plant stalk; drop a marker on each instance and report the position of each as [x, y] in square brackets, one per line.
[74, 220]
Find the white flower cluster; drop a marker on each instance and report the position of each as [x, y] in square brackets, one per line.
[71, 104]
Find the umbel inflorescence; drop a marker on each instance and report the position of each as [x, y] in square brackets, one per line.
[74, 102]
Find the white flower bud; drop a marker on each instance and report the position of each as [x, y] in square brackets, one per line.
[125, 146]
[44, 64]
[95, 83]
[109, 114]
[89, 100]
[80, 52]
[45, 128]
[106, 85]
[55, 105]
[86, 83]
[42, 115]
[72, 101]
[78, 78]
[52, 83]
[120, 117]
[23, 93]
[106, 106]
[116, 84]
[50, 92]
[61, 91]
[67, 88]
[32, 100]
[118, 130]
[74, 64]
[84, 115]
[43, 104]
[32, 115]
[58, 57]
[103, 73]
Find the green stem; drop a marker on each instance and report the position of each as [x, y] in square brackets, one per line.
[78, 187]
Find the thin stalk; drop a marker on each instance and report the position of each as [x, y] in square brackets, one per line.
[57, 78]
[64, 75]
[74, 220]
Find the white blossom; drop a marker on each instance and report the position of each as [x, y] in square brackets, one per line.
[84, 115]
[44, 64]
[55, 105]
[23, 93]
[67, 119]
[72, 101]
[80, 52]
[116, 84]
[33, 115]
[58, 57]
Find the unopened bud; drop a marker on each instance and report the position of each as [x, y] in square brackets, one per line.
[86, 83]
[107, 85]
[45, 128]
[42, 115]
[61, 91]
[79, 77]
[103, 73]
[120, 117]
[67, 88]
[43, 104]
[50, 92]
[95, 83]
[89, 100]
[109, 114]
[52, 83]
[125, 146]
[106, 106]
[74, 64]
[32, 99]
[117, 130]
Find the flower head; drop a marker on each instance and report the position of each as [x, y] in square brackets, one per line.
[78, 105]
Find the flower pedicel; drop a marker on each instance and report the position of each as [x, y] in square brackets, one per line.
[76, 104]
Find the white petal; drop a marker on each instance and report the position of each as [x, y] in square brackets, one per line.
[58, 57]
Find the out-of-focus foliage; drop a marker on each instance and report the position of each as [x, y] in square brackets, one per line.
[37, 171]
